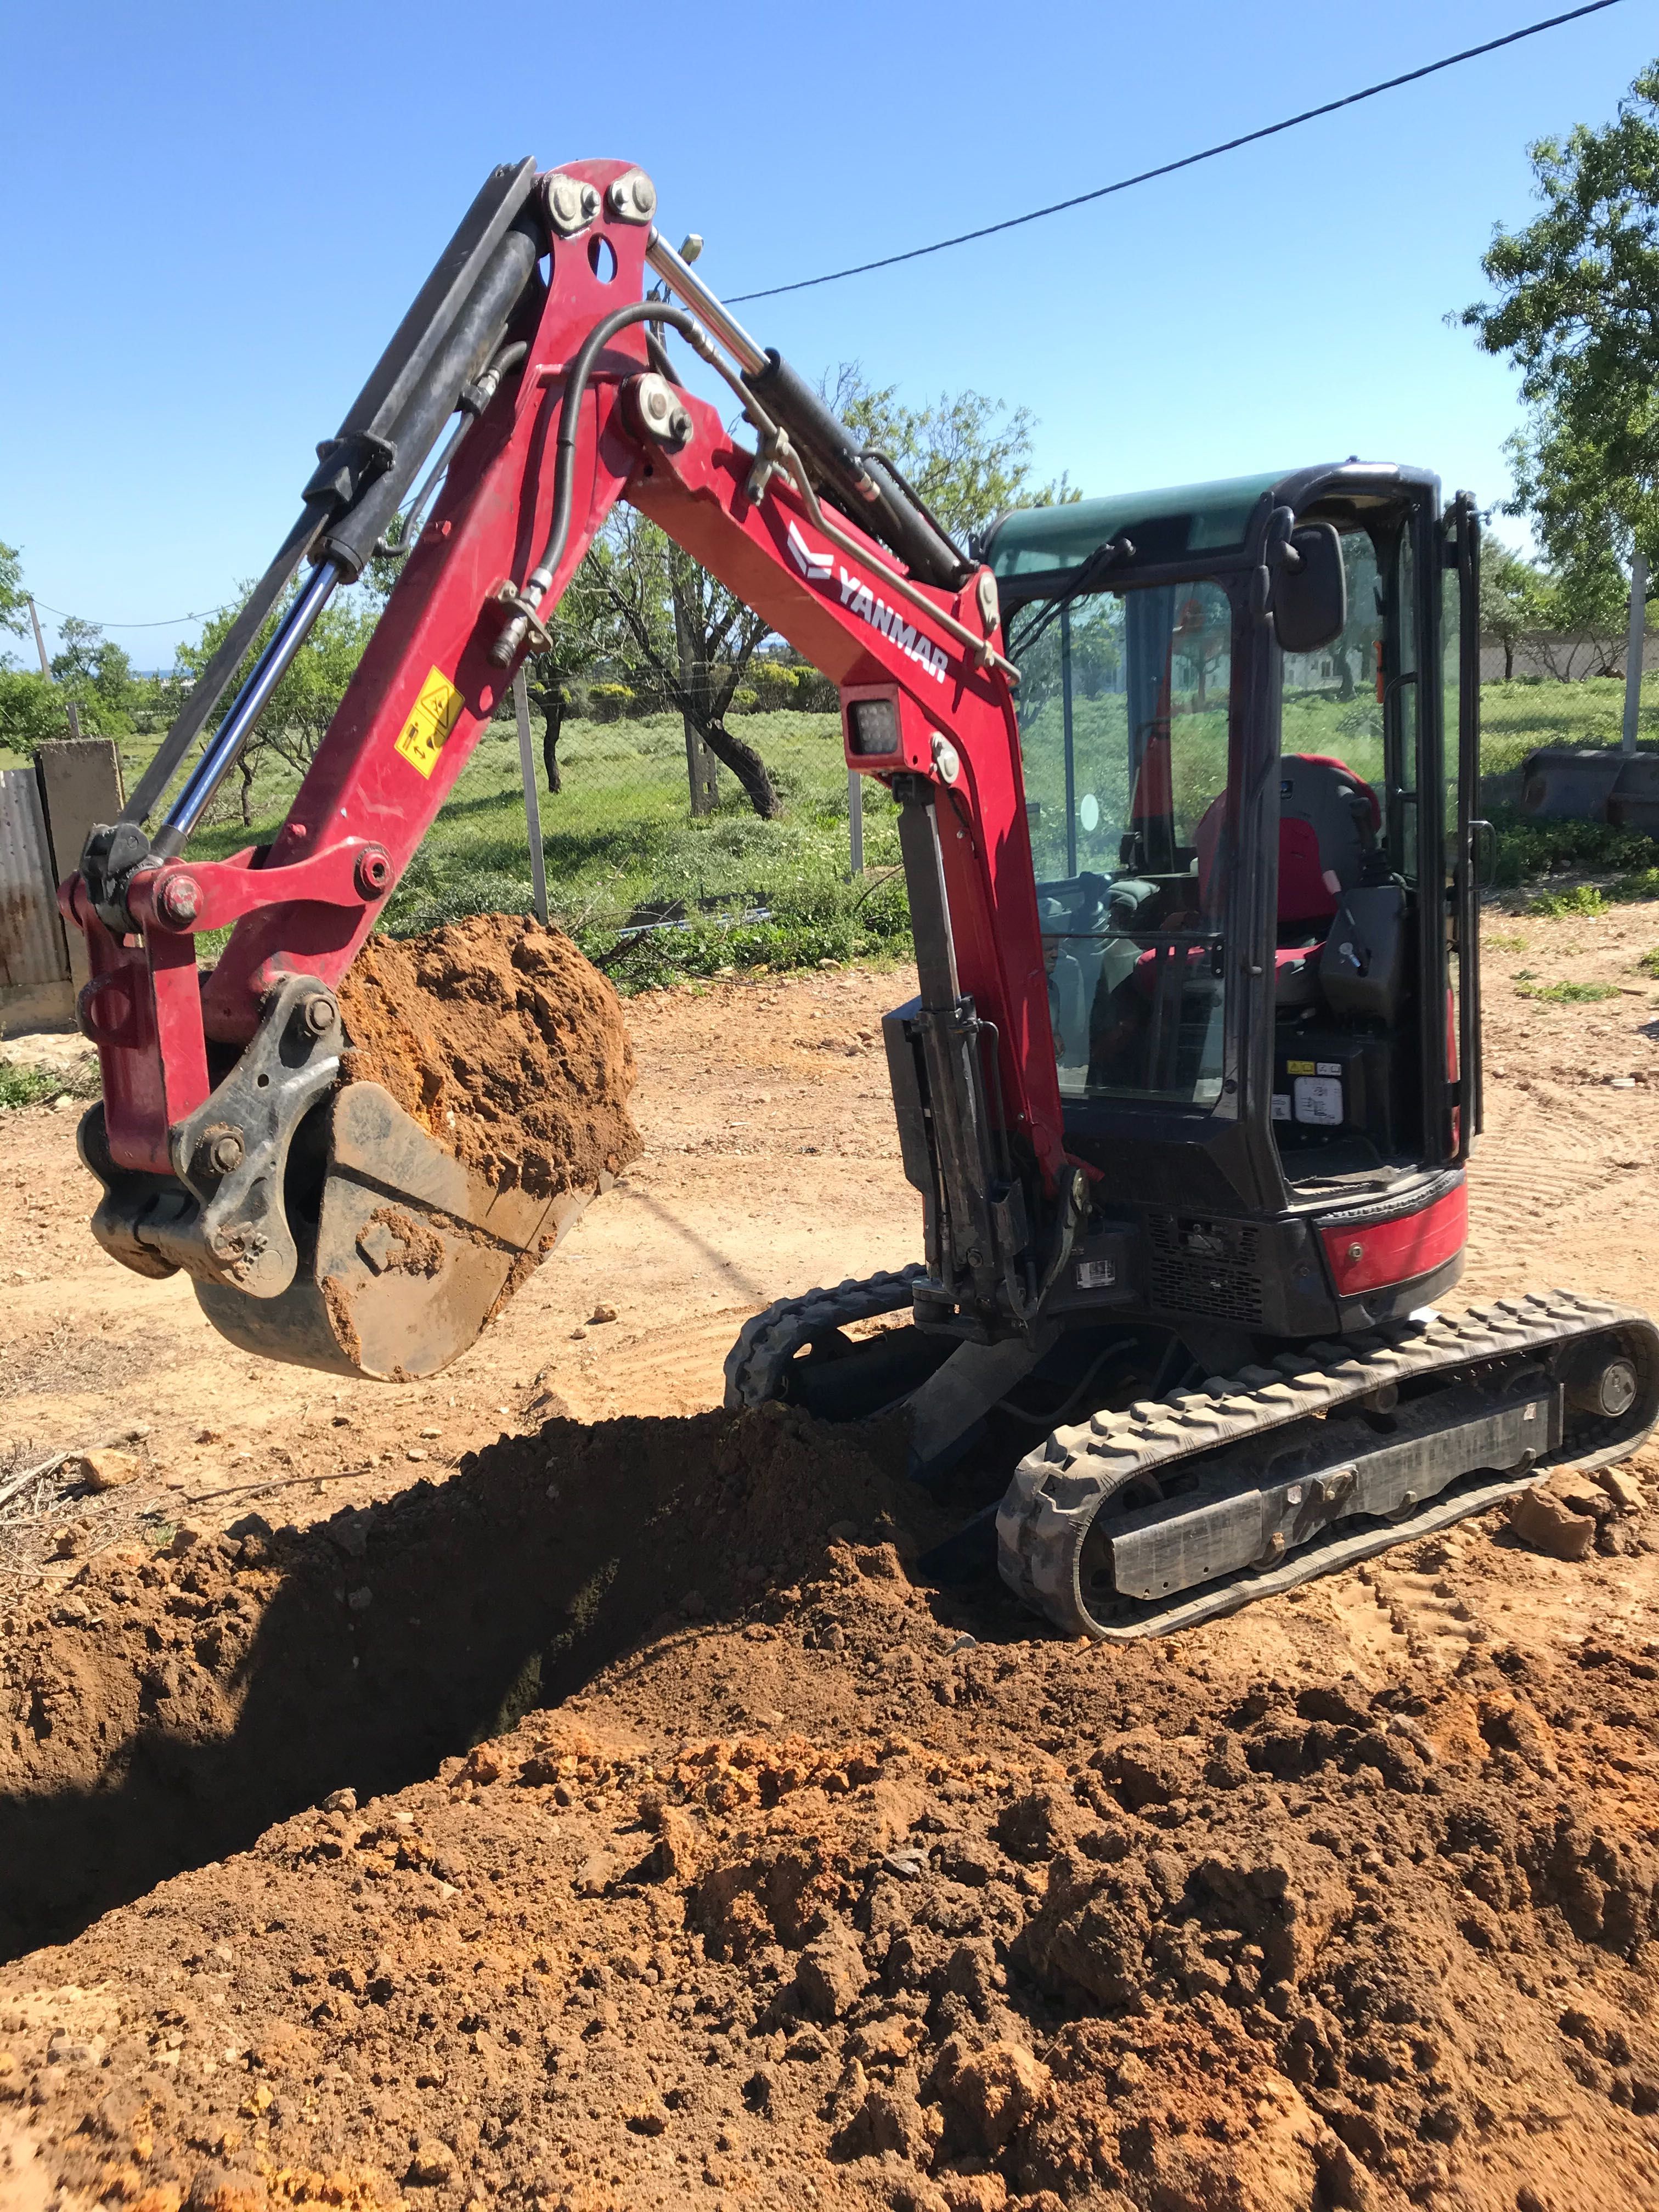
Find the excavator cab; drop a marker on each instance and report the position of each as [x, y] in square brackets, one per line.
[1254, 866]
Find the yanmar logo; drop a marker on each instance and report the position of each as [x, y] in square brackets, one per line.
[819, 567]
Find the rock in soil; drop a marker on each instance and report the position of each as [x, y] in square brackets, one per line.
[764, 1914]
[101, 1470]
[503, 1042]
[1550, 1526]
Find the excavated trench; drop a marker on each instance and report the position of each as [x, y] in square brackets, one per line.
[169, 1707]
[814, 1878]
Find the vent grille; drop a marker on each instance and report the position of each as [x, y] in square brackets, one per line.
[1199, 1267]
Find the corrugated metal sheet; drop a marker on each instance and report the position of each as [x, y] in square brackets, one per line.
[32, 949]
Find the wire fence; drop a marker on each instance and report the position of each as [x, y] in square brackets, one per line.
[626, 858]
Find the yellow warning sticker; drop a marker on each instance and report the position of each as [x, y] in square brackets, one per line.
[431, 719]
[1291, 1066]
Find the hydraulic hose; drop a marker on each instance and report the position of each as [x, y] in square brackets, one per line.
[537, 582]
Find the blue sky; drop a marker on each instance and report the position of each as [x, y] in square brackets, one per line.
[217, 216]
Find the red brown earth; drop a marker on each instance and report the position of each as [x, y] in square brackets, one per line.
[694, 1856]
[503, 1042]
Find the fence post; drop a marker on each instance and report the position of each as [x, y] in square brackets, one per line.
[701, 770]
[1635, 646]
[855, 819]
[532, 804]
[699, 761]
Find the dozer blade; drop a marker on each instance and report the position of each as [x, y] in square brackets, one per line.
[1174, 1510]
[404, 1254]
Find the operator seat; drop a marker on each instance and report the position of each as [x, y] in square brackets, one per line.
[1329, 818]
[1328, 823]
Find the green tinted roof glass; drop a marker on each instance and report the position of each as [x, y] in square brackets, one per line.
[1206, 517]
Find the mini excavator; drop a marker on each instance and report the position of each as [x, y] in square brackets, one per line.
[1186, 785]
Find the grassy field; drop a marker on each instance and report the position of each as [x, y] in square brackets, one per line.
[779, 893]
[619, 836]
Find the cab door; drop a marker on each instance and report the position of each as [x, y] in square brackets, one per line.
[1460, 663]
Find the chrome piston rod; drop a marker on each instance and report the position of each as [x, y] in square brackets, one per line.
[693, 292]
[227, 742]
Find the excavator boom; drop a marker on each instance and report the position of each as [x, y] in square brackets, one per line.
[207, 1082]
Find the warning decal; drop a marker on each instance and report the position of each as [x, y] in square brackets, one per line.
[431, 719]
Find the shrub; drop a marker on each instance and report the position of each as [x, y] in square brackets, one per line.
[1528, 848]
[1582, 899]
[24, 1086]
[609, 702]
[1568, 994]
[38, 1086]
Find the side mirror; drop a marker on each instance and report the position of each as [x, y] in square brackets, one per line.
[1310, 591]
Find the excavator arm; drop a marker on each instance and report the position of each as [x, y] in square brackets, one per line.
[224, 1144]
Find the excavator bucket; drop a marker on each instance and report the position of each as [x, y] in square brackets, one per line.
[405, 1254]
[373, 1179]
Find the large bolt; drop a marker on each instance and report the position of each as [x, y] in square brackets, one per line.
[179, 901]
[317, 1012]
[662, 414]
[632, 198]
[226, 1152]
[373, 871]
[571, 204]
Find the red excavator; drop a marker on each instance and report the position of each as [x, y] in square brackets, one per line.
[1185, 786]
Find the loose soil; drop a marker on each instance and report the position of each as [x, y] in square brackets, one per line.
[614, 1822]
[504, 1043]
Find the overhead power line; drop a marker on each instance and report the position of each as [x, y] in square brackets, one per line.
[171, 622]
[1185, 162]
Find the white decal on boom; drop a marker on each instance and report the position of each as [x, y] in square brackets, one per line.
[817, 568]
[861, 600]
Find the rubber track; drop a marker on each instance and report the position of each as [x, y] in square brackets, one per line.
[757, 1361]
[1059, 1488]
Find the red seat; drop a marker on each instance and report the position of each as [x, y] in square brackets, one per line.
[1329, 818]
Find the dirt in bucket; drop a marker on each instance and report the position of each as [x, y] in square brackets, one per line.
[503, 1042]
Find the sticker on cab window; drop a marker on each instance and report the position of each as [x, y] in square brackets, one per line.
[1318, 1101]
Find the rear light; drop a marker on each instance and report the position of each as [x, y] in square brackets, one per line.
[1367, 1253]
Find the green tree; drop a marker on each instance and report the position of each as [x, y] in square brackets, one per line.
[688, 640]
[1577, 313]
[95, 673]
[683, 638]
[1513, 597]
[31, 711]
[76, 660]
[966, 456]
[14, 600]
[584, 630]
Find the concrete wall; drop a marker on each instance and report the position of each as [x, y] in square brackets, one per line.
[1547, 655]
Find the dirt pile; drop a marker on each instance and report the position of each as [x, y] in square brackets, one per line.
[165, 1706]
[503, 1042]
[825, 1890]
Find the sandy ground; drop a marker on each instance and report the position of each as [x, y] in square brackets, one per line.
[666, 1846]
[770, 1164]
